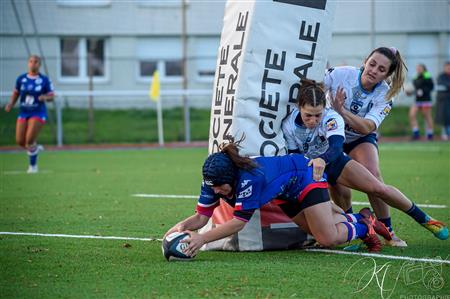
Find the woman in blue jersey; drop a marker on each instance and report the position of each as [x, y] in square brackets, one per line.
[318, 133]
[367, 101]
[247, 184]
[33, 89]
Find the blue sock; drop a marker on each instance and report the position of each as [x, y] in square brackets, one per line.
[33, 155]
[349, 211]
[353, 217]
[386, 222]
[418, 215]
[355, 230]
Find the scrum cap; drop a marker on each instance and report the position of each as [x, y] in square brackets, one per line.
[218, 169]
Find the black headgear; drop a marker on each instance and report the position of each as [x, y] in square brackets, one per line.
[218, 169]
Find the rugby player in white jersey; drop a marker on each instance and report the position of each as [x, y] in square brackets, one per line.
[318, 133]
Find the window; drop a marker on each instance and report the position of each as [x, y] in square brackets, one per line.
[81, 57]
[70, 58]
[174, 68]
[147, 67]
[162, 54]
[96, 57]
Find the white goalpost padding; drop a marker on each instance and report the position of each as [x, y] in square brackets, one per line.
[266, 47]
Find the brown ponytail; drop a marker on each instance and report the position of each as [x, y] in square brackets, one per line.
[397, 71]
[311, 93]
[231, 148]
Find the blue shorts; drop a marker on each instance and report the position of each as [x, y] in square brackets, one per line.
[371, 138]
[334, 169]
[40, 115]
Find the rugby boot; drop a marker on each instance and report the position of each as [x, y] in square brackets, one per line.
[378, 226]
[395, 241]
[438, 228]
[371, 239]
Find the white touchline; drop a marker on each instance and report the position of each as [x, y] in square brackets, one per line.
[375, 255]
[79, 236]
[16, 172]
[164, 196]
[392, 257]
[357, 203]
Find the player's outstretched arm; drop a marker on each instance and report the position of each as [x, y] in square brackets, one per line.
[193, 222]
[196, 240]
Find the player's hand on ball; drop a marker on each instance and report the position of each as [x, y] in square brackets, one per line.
[195, 242]
[177, 228]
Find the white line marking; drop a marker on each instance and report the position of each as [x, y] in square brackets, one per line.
[164, 196]
[408, 147]
[361, 203]
[375, 255]
[15, 172]
[357, 203]
[79, 236]
[384, 256]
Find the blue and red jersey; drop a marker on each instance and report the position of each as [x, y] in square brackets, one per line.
[281, 178]
[29, 88]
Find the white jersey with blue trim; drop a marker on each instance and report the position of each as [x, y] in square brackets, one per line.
[312, 142]
[369, 105]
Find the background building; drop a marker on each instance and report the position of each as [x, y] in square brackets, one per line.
[121, 43]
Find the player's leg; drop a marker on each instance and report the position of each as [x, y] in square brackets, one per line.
[330, 228]
[21, 129]
[426, 110]
[35, 125]
[366, 153]
[342, 196]
[413, 122]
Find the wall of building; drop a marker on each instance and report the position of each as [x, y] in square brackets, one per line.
[420, 30]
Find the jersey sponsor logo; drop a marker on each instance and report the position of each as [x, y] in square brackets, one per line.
[358, 94]
[331, 124]
[208, 182]
[245, 183]
[355, 106]
[246, 193]
[386, 110]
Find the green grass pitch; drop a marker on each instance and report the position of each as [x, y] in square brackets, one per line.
[89, 193]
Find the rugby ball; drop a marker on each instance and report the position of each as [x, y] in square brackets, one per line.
[172, 249]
